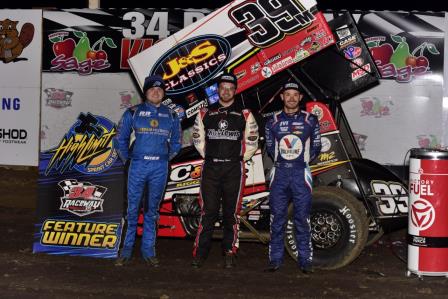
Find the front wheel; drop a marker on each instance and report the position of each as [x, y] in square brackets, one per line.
[339, 228]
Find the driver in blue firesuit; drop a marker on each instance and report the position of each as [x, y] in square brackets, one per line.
[293, 140]
[157, 140]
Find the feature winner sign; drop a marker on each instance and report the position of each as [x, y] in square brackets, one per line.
[85, 168]
[252, 39]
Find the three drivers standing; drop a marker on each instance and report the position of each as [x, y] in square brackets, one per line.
[226, 135]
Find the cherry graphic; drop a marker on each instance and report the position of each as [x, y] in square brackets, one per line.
[422, 61]
[63, 47]
[381, 54]
[101, 55]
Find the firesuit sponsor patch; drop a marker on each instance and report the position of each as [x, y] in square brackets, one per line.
[290, 147]
[223, 134]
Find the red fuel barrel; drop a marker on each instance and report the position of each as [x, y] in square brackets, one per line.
[428, 212]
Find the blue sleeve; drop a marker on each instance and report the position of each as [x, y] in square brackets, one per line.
[176, 137]
[315, 140]
[121, 140]
[270, 138]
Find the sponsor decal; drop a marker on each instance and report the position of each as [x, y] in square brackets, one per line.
[131, 47]
[255, 68]
[195, 109]
[128, 99]
[192, 62]
[80, 234]
[12, 42]
[273, 21]
[266, 72]
[422, 214]
[191, 98]
[302, 54]
[400, 63]
[290, 147]
[81, 198]
[324, 125]
[9, 104]
[319, 34]
[87, 146]
[79, 56]
[185, 172]
[318, 111]
[283, 63]
[372, 106]
[58, 98]
[315, 46]
[305, 41]
[154, 123]
[352, 52]
[361, 72]
[187, 184]
[347, 41]
[241, 74]
[178, 109]
[357, 63]
[345, 211]
[391, 197]
[13, 136]
[325, 158]
[326, 144]
[343, 32]
[272, 59]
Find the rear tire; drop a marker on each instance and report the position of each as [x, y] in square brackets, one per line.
[339, 228]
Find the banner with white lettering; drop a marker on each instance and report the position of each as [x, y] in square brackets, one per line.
[20, 61]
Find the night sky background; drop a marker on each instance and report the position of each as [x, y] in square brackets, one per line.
[406, 5]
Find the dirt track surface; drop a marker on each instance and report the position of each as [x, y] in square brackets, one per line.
[377, 273]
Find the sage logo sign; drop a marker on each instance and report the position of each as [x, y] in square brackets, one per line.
[192, 62]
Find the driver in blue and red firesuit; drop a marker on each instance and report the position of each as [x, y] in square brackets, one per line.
[293, 140]
[157, 140]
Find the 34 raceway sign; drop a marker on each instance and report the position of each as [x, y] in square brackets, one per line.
[252, 39]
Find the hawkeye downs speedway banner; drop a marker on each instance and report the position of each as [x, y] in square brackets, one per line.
[252, 39]
[20, 62]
